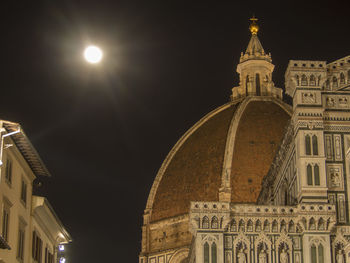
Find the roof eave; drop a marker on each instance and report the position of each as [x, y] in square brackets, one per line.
[27, 149]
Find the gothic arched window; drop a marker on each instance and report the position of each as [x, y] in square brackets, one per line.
[283, 226]
[258, 226]
[206, 252]
[312, 224]
[342, 78]
[241, 225]
[266, 226]
[285, 195]
[246, 85]
[213, 253]
[335, 82]
[233, 226]
[317, 253]
[214, 222]
[321, 224]
[320, 254]
[291, 227]
[205, 222]
[317, 174]
[309, 174]
[307, 145]
[314, 145]
[297, 79]
[274, 226]
[303, 80]
[250, 226]
[312, 80]
[257, 84]
[313, 254]
[349, 76]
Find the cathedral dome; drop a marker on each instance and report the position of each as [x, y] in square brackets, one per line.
[223, 157]
[237, 140]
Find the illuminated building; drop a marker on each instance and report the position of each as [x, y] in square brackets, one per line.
[258, 180]
[30, 229]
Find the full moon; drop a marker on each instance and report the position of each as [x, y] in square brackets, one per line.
[93, 54]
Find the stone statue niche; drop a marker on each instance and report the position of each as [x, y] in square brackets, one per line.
[339, 253]
[241, 253]
[283, 253]
[262, 253]
[340, 256]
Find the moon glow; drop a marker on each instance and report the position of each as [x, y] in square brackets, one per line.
[93, 54]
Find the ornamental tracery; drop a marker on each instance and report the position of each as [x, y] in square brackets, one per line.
[338, 244]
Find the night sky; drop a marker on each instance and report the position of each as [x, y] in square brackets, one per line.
[103, 131]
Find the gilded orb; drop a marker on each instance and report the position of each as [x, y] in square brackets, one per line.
[254, 27]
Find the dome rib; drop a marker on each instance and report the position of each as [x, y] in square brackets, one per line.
[212, 161]
[174, 150]
[231, 137]
[259, 131]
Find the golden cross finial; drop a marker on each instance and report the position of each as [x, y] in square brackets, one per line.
[254, 28]
[253, 19]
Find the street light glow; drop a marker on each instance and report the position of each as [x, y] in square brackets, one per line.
[93, 54]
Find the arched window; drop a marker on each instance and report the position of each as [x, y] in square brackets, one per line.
[335, 82]
[258, 226]
[214, 222]
[318, 80]
[307, 145]
[317, 253]
[250, 226]
[283, 226]
[314, 145]
[303, 80]
[274, 226]
[309, 174]
[312, 224]
[233, 226]
[317, 174]
[246, 85]
[320, 254]
[291, 227]
[313, 254]
[297, 79]
[342, 78]
[312, 80]
[213, 253]
[257, 84]
[285, 197]
[206, 252]
[205, 222]
[241, 225]
[266, 226]
[321, 224]
[349, 76]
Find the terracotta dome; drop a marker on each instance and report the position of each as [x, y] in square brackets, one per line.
[193, 170]
[223, 157]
